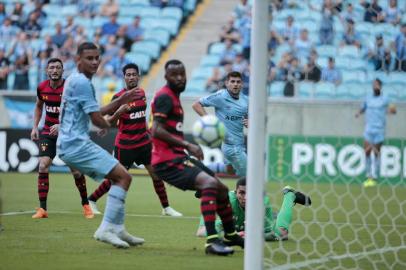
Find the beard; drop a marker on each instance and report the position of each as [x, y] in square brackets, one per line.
[177, 88]
[377, 92]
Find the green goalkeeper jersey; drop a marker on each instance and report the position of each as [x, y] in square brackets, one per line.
[239, 215]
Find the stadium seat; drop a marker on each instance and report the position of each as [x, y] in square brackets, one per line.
[151, 12]
[349, 51]
[342, 92]
[190, 5]
[196, 86]
[305, 89]
[276, 89]
[131, 11]
[217, 48]
[202, 73]
[139, 2]
[357, 64]
[149, 47]
[322, 62]
[122, 20]
[98, 21]
[210, 60]
[398, 77]
[68, 10]
[172, 25]
[356, 91]
[324, 90]
[150, 23]
[141, 59]
[390, 91]
[352, 76]
[364, 28]
[341, 62]
[383, 76]
[326, 50]
[158, 34]
[172, 13]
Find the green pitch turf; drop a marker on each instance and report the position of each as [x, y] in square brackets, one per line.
[335, 225]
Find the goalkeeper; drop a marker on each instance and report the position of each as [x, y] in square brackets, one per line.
[274, 230]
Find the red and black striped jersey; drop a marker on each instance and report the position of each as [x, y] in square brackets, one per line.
[132, 125]
[167, 109]
[52, 99]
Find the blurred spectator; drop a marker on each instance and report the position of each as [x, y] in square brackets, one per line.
[109, 8]
[216, 81]
[246, 80]
[80, 35]
[242, 8]
[123, 41]
[3, 14]
[69, 64]
[134, 31]
[111, 49]
[17, 16]
[21, 68]
[167, 3]
[290, 32]
[97, 40]
[70, 27]
[49, 46]
[326, 31]
[229, 31]
[373, 12]
[31, 26]
[331, 73]
[392, 13]
[87, 8]
[111, 90]
[274, 41]
[350, 37]
[400, 49]
[20, 46]
[4, 70]
[312, 71]
[41, 64]
[114, 66]
[303, 44]
[7, 31]
[59, 37]
[245, 32]
[380, 55]
[349, 14]
[176, 3]
[271, 71]
[110, 28]
[41, 15]
[240, 64]
[229, 53]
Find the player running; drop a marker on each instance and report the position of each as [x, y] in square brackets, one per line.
[78, 107]
[375, 108]
[133, 143]
[172, 165]
[49, 92]
[274, 230]
[231, 107]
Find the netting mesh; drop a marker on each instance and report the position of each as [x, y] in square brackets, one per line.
[348, 226]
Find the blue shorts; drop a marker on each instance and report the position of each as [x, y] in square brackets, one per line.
[374, 137]
[89, 159]
[236, 155]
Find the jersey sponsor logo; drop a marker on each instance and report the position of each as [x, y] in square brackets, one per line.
[179, 126]
[44, 97]
[52, 109]
[136, 115]
[233, 118]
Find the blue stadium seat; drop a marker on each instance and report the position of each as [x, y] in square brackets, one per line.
[341, 62]
[398, 77]
[190, 5]
[150, 23]
[98, 21]
[196, 86]
[342, 92]
[139, 2]
[10, 80]
[217, 48]
[172, 25]
[364, 28]
[149, 47]
[141, 59]
[131, 11]
[153, 12]
[305, 89]
[324, 90]
[158, 34]
[357, 91]
[349, 51]
[276, 89]
[322, 62]
[357, 64]
[390, 91]
[124, 20]
[210, 60]
[353, 76]
[172, 13]
[327, 50]
[383, 76]
[202, 73]
[68, 10]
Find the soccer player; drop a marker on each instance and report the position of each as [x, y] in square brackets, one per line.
[171, 163]
[78, 107]
[133, 143]
[231, 107]
[273, 229]
[375, 108]
[49, 93]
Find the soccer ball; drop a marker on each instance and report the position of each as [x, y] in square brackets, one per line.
[209, 131]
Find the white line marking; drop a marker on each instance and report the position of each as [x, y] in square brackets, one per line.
[299, 265]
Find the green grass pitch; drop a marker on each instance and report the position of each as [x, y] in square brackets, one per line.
[64, 240]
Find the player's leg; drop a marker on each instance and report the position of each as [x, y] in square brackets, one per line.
[377, 161]
[236, 156]
[80, 182]
[368, 159]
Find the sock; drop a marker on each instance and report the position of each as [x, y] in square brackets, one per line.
[115, 206]
[225, 213]
[217, 167]
[284, 218]
[81, 185]
[208, 206]
[160, 190]
[377, 165]
[43, 188]
[100, 191]
[368, 166]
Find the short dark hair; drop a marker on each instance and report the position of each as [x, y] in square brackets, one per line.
[234, 74]
[241, 182]
[131, 65]
[54, 60]
[172, 62]
[86, 46]
[378, 81]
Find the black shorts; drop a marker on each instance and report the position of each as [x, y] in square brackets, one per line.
[180, 173]
[47, 146]
[140, 155]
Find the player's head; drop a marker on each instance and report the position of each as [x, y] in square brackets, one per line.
[88, 58]
[377, 87]
[240, 189]
[175, 75]
[54, 69]
[234, 83]
[131, 75]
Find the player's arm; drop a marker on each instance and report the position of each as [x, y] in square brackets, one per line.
[214, 100]
[199, 109]
[98, 120]
[37, 117]
[361, 110]
[116, 103]
[392, 109]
